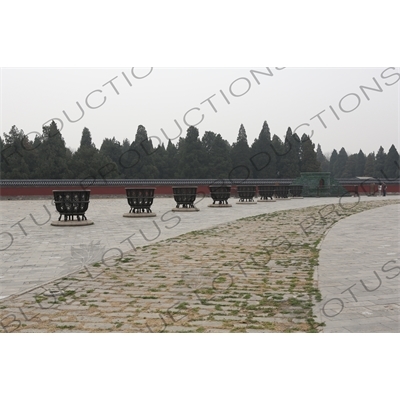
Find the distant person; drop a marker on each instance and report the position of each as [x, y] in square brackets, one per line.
[384, 188]
[380, 190]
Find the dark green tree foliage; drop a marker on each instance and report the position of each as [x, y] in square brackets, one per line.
[278, 148]
[392, 163]
[380, 163]
[159, 159]
[171, 161]
[136, 160]
[350, 167]
[322, 159]
[309, 162]
[212, 157]
[145, 168]
[86, 139]
[53, 155]
[14, 158]
[340, 163]
[112, 148]
[192, 156]
[332, 163]
[290, 156]
[87, 163]
[218, 158]
[241, 165]
[263, 157]
[360, 164]
[30, 155]
[370, 165]
[126, 144]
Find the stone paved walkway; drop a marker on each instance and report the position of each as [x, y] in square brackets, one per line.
[250, 275]
[359, 273]
[32, 252]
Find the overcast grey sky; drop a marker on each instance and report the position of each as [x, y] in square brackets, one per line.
[354, 118]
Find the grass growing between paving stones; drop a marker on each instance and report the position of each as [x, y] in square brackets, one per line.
[252, 275]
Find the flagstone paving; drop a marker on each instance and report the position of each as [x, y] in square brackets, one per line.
[256, 274]
[359, 273]
[32, 252]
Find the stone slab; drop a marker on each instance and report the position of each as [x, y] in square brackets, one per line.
[72, 223]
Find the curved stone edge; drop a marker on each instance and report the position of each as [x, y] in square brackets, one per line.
[246, 202]
[72, 223]
[317, 310]
[139, 215]
[219, 205]
[266, 201]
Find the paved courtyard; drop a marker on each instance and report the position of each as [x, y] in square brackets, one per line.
[245, 268]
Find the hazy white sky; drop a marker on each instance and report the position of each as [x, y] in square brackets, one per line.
[358, 118]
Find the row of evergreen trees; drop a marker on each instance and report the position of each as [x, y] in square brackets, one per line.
[211, 157]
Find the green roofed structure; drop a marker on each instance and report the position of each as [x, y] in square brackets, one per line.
[319, 184]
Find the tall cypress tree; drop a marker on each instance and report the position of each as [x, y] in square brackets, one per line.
[350, 167]
[241, 166]
[171, 170]
[340, 164]
[15, 155]
[392, 163]
[53, 154]
[360, 163]
[324, 163]
[309, 162]
[278, 148]
[290, 156]
[87, 163]
[218, 160]
[380, 160]
[370, 165]
[264, 155]
[332, 163]
[192, 156]
[112, 148]
[137, 160]
[146, 168]
[86, 139]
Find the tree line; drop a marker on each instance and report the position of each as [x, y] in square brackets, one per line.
[192, 157]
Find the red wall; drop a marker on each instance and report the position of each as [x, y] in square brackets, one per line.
[366, 189]
[94, 190]
[161, 190]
